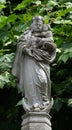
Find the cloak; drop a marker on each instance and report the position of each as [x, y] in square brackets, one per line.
[31, 67]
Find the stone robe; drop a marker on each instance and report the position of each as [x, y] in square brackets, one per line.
[32, 66]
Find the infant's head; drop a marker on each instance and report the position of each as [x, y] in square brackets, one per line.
[37, 24]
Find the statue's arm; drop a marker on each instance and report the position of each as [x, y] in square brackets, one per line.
[23, 45]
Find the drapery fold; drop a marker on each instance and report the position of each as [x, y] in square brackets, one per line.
[31, 68]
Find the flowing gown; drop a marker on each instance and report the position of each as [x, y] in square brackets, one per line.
[32, 69]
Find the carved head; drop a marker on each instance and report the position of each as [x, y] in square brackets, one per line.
[37, 24]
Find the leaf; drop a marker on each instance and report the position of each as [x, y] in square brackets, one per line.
[22, 5]
[63, 22]
[4, 50]
[51, 4]
[27, 17]
[68, 4]
[4, 78]
[2, 6]
[37, 2]
[3, 21]
[63, 58]
[58, 50]
[46, 18]
[2, 84]
[19, 103]
[12, 18]
[2, 1]
[70, 102]
[66, 55]
[6, 61]
[20, 28]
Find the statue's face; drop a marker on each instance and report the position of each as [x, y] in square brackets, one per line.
[37, 25]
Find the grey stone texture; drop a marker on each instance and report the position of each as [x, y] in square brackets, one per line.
[36, 121]
[35, 51]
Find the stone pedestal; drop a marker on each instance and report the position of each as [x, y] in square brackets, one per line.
[36, 121]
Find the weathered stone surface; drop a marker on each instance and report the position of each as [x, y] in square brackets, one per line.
[35, 51]
[36, 121]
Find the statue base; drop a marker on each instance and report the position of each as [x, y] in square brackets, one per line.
[36, 121]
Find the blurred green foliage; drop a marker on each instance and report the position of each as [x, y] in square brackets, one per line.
[15, 18]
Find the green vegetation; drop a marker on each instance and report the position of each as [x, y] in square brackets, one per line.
[15, 18]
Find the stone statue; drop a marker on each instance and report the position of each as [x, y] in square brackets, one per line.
[35, 51]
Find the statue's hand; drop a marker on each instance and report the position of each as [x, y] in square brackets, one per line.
[24, 50]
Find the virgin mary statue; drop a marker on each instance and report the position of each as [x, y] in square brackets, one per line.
[35, 51]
